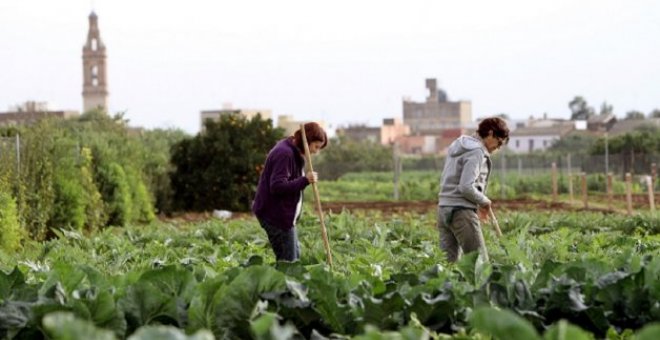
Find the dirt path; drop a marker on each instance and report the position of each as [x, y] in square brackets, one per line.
[423, 207]
[428, 206]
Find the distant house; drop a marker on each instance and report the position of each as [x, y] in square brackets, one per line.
[391, 130]
[437, 113]
[601, 123]
[291, 125]
[228, 110]
[360, 133]
[31, 112]
[418, 145]
[529, 139]
[629, 125]
[448, 136]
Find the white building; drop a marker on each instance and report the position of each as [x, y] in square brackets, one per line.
[530, 139]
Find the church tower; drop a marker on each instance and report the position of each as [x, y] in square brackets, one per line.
[95, 84]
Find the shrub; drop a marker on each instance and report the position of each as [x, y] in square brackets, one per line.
[11, 233]
[69, 204]
[220, 167]
[116, 193]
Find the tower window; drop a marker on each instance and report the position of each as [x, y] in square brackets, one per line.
[94, 44]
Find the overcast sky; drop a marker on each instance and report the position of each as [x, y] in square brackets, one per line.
[343, 61]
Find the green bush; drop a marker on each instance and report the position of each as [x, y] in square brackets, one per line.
[95, 215]
[220, 167]
[116, 193]
[143, 208]
[344, 155]
[11, 233]
[69, 205]
[36, 193]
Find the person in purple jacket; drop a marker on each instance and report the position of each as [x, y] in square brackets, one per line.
[278, 201]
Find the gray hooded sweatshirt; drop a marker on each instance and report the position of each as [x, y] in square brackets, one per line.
[465, 176]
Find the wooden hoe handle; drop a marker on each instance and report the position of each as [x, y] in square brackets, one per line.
[493, 219]
[308, 165]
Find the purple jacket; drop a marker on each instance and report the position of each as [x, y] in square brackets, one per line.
[280, 186]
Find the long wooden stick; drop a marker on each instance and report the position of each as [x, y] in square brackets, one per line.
[493, 219]
[308, 165]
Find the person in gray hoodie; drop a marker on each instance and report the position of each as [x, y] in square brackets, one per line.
[462, 199]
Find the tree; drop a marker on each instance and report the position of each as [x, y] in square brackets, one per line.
[220, 168]
[573, 143]
[157, 166]
[606, 109]
[346, 155]
[645, 140]
[11, 232]
[634, 114]
[579, 109]
[655, 113]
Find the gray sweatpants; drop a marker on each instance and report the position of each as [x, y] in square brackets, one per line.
[460, 231]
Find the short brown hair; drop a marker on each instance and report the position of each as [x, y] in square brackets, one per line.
[314, 133]
[495, 124]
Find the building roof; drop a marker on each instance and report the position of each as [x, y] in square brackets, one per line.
[559, 130]
[601, 119]
[629, 125]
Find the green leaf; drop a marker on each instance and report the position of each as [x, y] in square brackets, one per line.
[201, 312]
[168, 333]
[14, 315]
[329, 295]
[467, 267]
[65, 326]
[100, 307]
[13, 287]
[502, 324]
[649, 332]
[267, 327]
[159, 295]
[235, 302]
[64, 277]
[563, 330]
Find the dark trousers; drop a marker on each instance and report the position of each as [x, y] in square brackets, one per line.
[284, 242]
[460, 231]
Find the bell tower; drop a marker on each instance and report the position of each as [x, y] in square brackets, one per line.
[95, 84]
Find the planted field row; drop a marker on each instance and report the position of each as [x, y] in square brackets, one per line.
[390, 278]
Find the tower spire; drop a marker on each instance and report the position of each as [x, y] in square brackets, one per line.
[95, 85]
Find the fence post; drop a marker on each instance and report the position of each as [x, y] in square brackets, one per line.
[570, 178]
[607, 154]
[609, 191]
[629, 192]
[502, 193]
[654, 174]
[18, 156]
[584, 190]
[649, 185]
[397, 169]
[554, 182]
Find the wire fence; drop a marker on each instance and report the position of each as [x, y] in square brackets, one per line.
[541, 164]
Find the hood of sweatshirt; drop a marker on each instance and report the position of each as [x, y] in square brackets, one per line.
[465, 144]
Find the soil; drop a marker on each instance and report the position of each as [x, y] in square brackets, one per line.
[427, 206]
[599, 204]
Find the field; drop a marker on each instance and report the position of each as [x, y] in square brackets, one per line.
[561, 275]
[560, 271]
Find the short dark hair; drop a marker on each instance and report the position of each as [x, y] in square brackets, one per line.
[495, 124]
[314, 133]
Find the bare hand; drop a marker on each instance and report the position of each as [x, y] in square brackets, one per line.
[312, 177]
